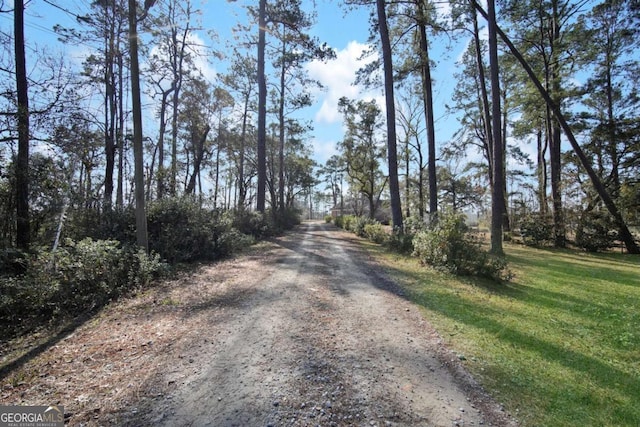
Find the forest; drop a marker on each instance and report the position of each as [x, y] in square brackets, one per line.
[137, 159]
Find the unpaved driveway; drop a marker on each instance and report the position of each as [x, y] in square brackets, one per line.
[303, 332]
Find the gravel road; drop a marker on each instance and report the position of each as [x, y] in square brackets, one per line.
[318, 336]
[302, 330]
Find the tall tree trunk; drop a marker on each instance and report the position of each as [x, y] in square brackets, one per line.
[506, 223]
[242, 191]
[625, 233]
[120, 133]
[497, 192]
[141, 217]
[262, 111]
[394, 187]
[407, 183]
[484, 95]
[110, 107]
[555, 152]
[420, 179]
[197, 162]
[160, 177]
[174, 141]
[542, 172]
[427, 94]
[23, 227]
[281, 135]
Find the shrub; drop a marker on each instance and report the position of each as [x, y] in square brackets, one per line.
[400, 242]
[78, 277]
[328, 219]
[180, 230]
[414, 224]
[347, 221]
[449, 247]
[596, 231]
[89, 273]
[343, 221]
[287, 219]
[256, 224]
[359, 223]
[376, 233]
[536, 230]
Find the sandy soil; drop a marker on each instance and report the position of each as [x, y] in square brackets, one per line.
[303, 330]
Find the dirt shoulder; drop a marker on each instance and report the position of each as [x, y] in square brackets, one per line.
[302, 331]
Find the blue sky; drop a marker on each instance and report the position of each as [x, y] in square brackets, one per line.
[346, 32]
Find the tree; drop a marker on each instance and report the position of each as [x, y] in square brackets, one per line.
[262, 111]
[332, 172]
[241, 79]
[290, 25]
[172, 28]
[497, 191]
[457, 189]
[625, 233]
[141, 216]
[195, 120]
[392, 153]
[106, 29]
[361, 149]
[409, 120]
[423, 18]
[23, 233]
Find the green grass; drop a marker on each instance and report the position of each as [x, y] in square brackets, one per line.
[558, 346]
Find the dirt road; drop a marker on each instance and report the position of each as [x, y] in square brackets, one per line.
[303, 332]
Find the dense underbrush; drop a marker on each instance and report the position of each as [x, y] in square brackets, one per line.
[98, 261]
[446, 244]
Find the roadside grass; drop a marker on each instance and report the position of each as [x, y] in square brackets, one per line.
[559, 345]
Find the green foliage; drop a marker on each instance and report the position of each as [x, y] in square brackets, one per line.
[345, 221]
[287, 219]
[180, 230]
[328, 219]
[596, 231]
[256, 224]
[376, 233]
[448, 246]
[414, 224]
[536, 230]
[359, 223]
[400, 242]
[78, 277]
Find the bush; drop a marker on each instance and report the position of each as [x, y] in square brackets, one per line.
[596, 231]
[344, 221]
[536, 230]
[359, 223]
[400, 242]
[376, 233]
[328, 219]
[256, 224]
[89, 273]
[180, 230]
[77, 278]
[449, 247]
[287, 219]
[414, 224]
[348, 222]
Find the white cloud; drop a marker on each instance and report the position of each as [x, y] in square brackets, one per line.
[323, 149]
[337, 76]
[201, 57]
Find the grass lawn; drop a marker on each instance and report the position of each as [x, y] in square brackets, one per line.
[558, 346]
